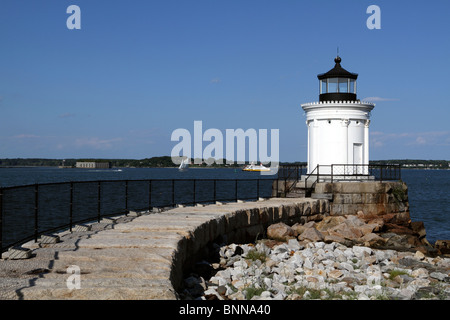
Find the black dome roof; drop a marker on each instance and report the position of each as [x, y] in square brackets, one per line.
[337, 72]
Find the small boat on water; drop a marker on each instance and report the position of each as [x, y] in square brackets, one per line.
[184, 165]
[256, 168]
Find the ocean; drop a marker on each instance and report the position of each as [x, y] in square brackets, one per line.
[428, 189]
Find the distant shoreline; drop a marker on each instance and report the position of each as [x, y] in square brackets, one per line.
[166, 162]
[175, 167]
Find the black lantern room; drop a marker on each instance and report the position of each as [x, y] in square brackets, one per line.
[337, 84]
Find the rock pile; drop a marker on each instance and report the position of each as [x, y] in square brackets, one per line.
[341, 257]
[318, 270]
[386, 231]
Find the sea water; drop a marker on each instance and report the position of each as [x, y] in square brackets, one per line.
[428, 190]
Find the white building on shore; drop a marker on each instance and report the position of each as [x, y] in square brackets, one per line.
[93, 165]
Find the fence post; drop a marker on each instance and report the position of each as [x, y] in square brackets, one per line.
[36, 211]
[257, 189]
[1, 222]
[173, 193]
[149, 195]
[71, 206]
[194, 192]
[126, 197]
[99, 200]
[278, 188]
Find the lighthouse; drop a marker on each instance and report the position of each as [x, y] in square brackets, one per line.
[338, 124]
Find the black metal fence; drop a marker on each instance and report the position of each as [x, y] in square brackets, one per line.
[361, 172]
[288, 175]
[26, 212]
[291, 172]
[351, 172]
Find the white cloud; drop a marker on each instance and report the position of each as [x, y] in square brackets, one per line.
[437, 138]
[374, 99]
[96, 143]
[26, 136]
[66, 115]
[215, 80]
[421, 140]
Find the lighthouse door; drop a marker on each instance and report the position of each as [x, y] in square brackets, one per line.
[357, 158]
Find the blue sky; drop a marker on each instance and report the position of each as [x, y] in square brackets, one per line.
[137, 70]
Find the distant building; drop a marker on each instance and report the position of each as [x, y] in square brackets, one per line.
[93, 165]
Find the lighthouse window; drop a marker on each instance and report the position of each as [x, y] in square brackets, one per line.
[333, 85]
[343, 85]
[352, 86]
[323, 86]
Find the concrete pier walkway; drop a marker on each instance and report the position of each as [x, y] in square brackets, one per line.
[139, 257]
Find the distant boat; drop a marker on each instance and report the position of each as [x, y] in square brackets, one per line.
[256, 168]
[184, 165]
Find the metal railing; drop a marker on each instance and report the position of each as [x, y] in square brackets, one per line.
[352, 172]
[365, 172]
[27, 212]
[290, 174]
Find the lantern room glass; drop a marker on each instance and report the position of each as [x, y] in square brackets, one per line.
[352, 88]
[337, 85]
[343, 85]
[323, 86]
[332, 85]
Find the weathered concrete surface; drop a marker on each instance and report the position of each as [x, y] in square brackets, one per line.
[144, 258]
[370, 197]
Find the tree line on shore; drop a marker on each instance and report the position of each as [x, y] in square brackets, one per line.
[166, 161]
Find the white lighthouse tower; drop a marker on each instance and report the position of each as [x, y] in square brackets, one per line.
[338, 125]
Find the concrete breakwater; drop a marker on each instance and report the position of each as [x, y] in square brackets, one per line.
[147, 256]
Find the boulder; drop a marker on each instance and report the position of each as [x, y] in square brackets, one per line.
[330, 238]
[401, 242]
[443, 246]
[418, 227]
[368, 228]
[378, 224]
[311, 234]
[344, 231]
[299, 228]
[387, 217]
[280, 231]
[330, 222]
[353, 221]
[372, 240]
[402, 218]
[399, 229]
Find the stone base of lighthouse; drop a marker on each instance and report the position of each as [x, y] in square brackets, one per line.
[338, 135]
